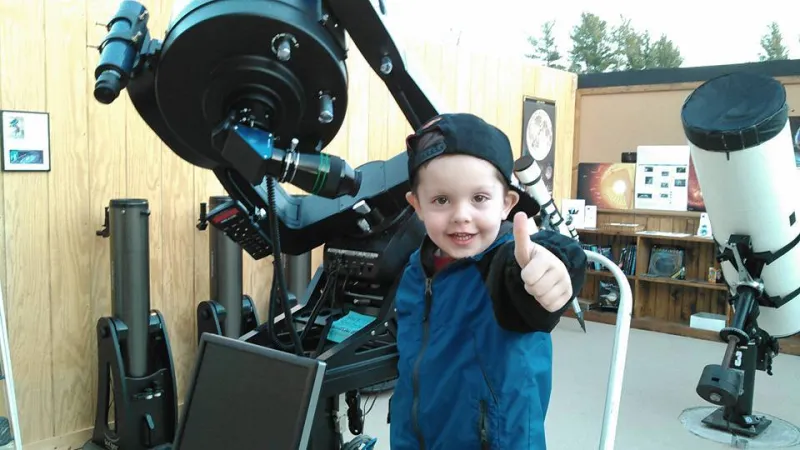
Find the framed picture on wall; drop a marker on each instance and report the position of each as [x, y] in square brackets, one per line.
[25, 141]
[539, 135]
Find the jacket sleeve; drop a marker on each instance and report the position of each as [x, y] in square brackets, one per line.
[515, 309]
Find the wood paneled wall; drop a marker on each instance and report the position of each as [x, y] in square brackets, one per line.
[642, 115]
[55, 270]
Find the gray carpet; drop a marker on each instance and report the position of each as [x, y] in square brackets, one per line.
[660, 377]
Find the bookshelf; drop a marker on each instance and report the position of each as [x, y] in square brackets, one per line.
[661, 304]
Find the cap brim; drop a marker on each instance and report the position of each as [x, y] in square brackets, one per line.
[526, 203]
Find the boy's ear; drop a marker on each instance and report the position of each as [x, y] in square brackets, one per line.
[414, 202]
[511, 200]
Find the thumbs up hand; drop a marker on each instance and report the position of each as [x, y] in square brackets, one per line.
[545, 277]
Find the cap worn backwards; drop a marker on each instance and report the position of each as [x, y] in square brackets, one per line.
[461, 134]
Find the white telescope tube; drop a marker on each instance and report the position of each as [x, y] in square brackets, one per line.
[530, 176]
[737, 127]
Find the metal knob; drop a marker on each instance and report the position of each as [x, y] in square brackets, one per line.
[325, 108]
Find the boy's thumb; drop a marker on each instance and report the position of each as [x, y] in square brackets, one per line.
[523, 247]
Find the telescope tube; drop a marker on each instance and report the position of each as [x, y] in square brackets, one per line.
[738, 132]
[128, 224]
[298, 271]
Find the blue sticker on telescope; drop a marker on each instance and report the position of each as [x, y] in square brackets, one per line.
[348, 325]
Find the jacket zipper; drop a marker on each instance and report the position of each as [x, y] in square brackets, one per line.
[485, 375]
[418, 362]
[483, 429]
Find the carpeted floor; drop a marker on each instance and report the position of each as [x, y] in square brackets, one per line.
[659, 384]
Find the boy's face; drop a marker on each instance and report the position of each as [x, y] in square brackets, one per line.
[462, 201]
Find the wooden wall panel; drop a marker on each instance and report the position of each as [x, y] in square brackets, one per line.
[69, 227]
[54, 269]
[642, 115]
[27, 280]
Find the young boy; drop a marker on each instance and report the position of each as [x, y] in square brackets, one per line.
[476, 302]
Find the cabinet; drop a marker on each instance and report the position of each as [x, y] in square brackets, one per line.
[661, 304]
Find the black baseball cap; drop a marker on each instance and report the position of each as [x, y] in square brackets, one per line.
[467, 134]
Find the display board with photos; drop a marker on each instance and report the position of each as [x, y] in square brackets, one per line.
[663, 178]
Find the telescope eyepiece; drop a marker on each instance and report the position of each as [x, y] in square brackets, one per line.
[107, 87]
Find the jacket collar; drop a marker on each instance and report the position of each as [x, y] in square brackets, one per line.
[427, 249]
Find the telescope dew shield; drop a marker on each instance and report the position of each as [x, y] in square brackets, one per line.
[128, 223]
[737, 127]
[225, 270]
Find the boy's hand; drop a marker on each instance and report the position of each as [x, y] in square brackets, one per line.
[546, 278]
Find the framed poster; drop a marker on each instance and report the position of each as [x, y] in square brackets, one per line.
[607, 185]
[25, 141]
[539, 136]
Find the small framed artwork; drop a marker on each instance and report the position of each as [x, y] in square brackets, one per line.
[25, 141]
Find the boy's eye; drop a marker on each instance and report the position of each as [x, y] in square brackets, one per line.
[440, 200]
[480, 198]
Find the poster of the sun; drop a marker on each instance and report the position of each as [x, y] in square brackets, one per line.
[695, 200]
[607, 185]
[539, 136]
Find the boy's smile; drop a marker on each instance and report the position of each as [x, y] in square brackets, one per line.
[462, 200]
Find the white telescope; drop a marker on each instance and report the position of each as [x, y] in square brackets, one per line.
[737, 127]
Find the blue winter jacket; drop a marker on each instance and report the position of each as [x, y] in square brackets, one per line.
[475, 362]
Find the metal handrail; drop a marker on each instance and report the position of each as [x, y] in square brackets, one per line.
[619, 353]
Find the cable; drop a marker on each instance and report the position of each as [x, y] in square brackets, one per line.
[277, 263]
[273, 336]
[317, 307]
[368, 410]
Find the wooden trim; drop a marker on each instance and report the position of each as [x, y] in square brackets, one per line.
[649, 212]
[788, 346]
[789, 80]
[641, 88]
[71, 441]
[75, 440]
[779, 68]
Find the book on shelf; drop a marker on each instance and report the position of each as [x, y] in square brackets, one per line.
[626, 261]
[667, 262]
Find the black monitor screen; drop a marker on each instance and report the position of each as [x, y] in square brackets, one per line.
[247, 397]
